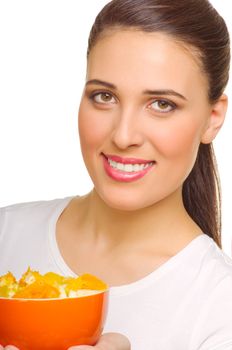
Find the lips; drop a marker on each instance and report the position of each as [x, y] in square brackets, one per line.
[126, 169]
[127, 160]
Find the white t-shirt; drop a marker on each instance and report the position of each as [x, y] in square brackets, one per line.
[185, 304]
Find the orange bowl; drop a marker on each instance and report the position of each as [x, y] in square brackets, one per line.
[54, 324]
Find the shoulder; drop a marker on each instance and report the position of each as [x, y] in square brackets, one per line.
[21, 214]
[211, 276]
[219, 262]
[30, 205]
[33, 206]
[213, 262]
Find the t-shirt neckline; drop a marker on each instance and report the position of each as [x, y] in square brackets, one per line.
[201, 241]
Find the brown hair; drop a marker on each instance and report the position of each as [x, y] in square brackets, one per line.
[197, 24]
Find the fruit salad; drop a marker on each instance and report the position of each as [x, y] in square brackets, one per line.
[33, 285]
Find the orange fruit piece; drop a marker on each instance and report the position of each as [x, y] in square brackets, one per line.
[91, 282]
[7, 279]
[8, 285]
[37, 290]
[86, 281]
[4, 291]
[73, 284]
[29, 277]
[53, 279]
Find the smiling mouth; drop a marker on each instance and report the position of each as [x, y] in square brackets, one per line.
[131, 168]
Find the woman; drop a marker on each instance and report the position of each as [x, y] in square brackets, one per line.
[152, 105]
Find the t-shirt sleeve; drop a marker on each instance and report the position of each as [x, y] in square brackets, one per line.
[213, 330]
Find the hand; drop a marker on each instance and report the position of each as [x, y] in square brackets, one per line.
[108, 341]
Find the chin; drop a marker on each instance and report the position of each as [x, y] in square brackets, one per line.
[122, 205]
[124, 201]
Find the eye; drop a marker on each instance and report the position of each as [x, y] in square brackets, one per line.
[103, 98]
[162, 106]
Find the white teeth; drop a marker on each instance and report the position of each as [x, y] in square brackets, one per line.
[129, 168]
[119, 166]
[136, 167]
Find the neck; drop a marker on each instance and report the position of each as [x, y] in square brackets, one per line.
[165, 225]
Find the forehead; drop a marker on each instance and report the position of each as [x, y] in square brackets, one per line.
[137, 57]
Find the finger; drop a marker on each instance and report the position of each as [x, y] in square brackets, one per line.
[10, 347]
[1, 347]
[113, 341]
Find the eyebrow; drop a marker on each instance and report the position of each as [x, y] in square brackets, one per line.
[168, 92]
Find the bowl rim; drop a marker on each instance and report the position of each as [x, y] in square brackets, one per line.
[53, 299]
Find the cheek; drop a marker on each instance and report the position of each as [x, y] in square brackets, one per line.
[92, 128]
[178, 139]
[176, 149]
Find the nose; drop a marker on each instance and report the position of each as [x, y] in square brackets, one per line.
[127, 130]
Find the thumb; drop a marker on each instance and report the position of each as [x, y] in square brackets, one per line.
[113, 341]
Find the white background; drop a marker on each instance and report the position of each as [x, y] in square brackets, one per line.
[42, 71]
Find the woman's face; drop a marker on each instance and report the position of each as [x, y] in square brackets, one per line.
[142, 116]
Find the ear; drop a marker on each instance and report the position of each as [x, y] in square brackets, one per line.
[215, 120]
